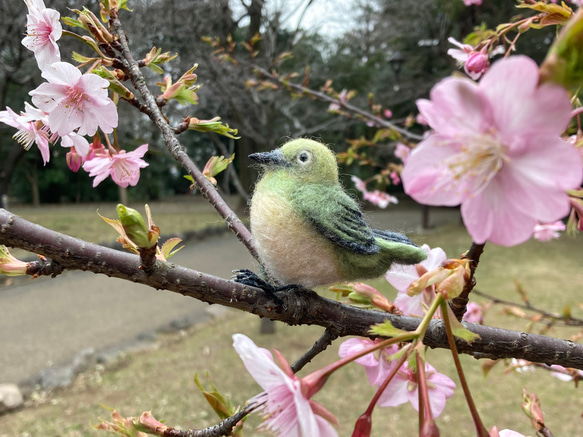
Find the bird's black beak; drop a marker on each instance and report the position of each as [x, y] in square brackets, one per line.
[275, 157]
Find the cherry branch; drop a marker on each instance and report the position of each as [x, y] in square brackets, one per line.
[320, 346]
[299, 306]
[150, 108]
[554, 317]
[326, 98]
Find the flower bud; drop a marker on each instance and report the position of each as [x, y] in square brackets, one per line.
[9, 265]
[74, 161]
[135, 227]
[477, 64]
[363, 426]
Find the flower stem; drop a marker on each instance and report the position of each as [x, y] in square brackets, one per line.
[480, 429]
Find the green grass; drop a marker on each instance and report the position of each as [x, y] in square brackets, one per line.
[82, 221]
[162, 380]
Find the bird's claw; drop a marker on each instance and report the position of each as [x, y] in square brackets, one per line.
[247, 277]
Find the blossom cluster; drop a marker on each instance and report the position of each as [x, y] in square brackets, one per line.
[69, 106]
[376, 197]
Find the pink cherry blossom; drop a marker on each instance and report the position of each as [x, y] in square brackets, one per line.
[43, 29]
[472, 2]
[395, 178]
[31, 128]
[123, 167]
[401, 276]
[403, 387]
[288, 411]
[359, 183]
[474, 313]
[74, 100]
[380, 198]
[495, 151]
[375, 197]
[548, 231]
[402, 152]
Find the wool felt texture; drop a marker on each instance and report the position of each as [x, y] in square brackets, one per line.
[308, 230]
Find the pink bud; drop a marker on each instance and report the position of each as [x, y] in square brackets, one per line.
[476, 65]
[74, 161]
[388, 113]
[395, 178]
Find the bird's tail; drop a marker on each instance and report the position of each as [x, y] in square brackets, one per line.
[399, 248]
[393, 236]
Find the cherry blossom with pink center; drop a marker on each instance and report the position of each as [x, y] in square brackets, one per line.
[43, 29]
[495, 152]
[123, 167]
[31, 128]
[75, 101]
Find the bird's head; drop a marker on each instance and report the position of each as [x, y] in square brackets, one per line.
[307, 160]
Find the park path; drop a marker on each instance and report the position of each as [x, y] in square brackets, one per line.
[46, 322]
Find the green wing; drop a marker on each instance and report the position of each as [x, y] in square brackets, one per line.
[336, 216]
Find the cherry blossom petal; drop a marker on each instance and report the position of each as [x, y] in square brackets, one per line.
[396, 393]
[427, 176]
[353, 346]
[457, 106]
[267, 374]
[490, 216]
[520, 112]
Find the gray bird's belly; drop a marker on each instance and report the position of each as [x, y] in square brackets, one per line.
[288, 246]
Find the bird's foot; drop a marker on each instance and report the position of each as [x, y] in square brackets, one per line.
[247, 277]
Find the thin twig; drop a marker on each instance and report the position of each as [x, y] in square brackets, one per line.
[319, 346]
[570, 321]
[225, 428]
[176, 149]
[326, 98]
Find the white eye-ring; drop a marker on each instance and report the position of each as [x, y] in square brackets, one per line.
[304, 157]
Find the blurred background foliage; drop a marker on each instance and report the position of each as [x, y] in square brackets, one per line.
[361, 57]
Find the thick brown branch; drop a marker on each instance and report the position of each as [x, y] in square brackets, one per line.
[174, 147]
[300, 306]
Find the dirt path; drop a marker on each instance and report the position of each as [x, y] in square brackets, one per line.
[48, 321]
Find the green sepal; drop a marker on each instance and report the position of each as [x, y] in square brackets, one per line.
[386, 329]
[459, 331]
[221, 405]
[72, 22]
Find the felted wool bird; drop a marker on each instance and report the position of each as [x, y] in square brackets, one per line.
[308, 230]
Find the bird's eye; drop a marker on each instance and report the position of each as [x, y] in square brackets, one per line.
[304, 157]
